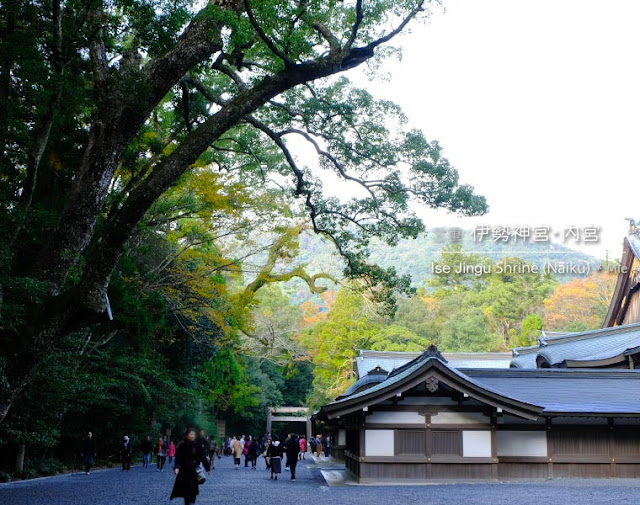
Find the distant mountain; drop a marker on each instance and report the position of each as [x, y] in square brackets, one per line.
[415, 257]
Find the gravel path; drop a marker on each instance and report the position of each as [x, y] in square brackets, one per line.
[245, 486]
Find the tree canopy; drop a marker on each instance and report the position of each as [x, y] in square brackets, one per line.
[107, 105]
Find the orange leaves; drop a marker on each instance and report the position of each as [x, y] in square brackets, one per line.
[580, 304]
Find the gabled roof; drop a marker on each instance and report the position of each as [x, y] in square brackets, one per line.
[525, 393]
[429, 366]
[603, 347]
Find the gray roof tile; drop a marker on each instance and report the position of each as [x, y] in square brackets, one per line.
[601, 344]
[555, 391]
[577, 391]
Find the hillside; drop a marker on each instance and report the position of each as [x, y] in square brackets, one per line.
[415, 257]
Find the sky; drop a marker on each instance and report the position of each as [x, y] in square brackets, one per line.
[537, 104]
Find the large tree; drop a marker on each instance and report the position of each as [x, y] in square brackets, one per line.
[122, 98]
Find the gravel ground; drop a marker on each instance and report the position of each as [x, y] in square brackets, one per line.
[230, 487]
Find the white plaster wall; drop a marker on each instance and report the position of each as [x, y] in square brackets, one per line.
[459, 418]
[378, 443]
[342, 437]
[521, 443]
[395, 418]
[476, 444]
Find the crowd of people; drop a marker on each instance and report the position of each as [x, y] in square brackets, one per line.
[201, 450]
[274, 450]
[163, 449]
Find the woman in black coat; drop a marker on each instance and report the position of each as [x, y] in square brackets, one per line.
[274, 453]
[189, 455]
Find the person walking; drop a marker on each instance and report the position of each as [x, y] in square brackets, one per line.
[285, 446]
[161, 453]
[245, 450]
[274, 453]
[147, 448]
[189, 456]
[293, 449]
[327, 445]
[171, 451]
[88, 452]
[125, 453]
[203, 442]
[319, 445]
[267, 460]
[254, 451]
[213, 452]
[236, 449]
[303, 447]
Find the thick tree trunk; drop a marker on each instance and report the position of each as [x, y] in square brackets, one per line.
[107, 249]
[22, 449]
[124, 110]
[125, 102]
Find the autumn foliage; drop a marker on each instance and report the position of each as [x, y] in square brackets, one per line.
[580, 304]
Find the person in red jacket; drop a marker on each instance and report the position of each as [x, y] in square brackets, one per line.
[171, 452]
[303, 447]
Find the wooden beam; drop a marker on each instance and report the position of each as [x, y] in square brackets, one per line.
[289, 410]
[286, 419]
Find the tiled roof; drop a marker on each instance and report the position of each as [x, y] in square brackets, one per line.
[428, 361]
[368, 360]
[568, 391]
[581, 347]
[535, 392]
[524, 361]
[375, 376]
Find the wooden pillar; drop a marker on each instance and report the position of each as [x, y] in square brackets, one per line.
[309, 433]
[269, 419]
[550, 450]
[494, 451]
[612, 448]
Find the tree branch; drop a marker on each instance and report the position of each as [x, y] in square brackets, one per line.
[334, 43]
[418, 8]
[272, 47]
[356, 25]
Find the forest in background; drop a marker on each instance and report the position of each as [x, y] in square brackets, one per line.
[194, 341]
[157, 256]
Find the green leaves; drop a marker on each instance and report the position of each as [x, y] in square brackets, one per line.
[487, 306]
[333, 343]
[146, 149]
